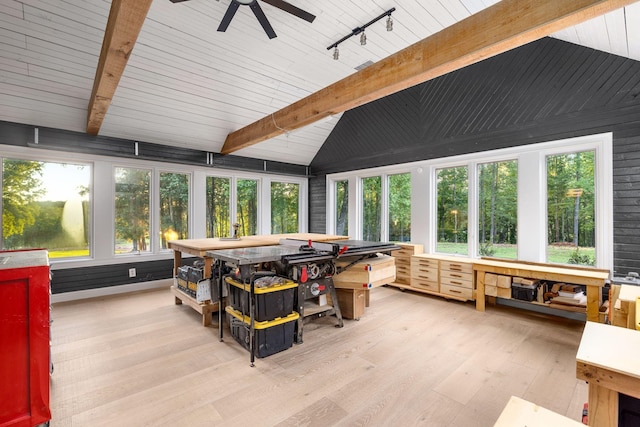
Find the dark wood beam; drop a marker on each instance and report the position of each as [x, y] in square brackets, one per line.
[125, 21]
[492, 31]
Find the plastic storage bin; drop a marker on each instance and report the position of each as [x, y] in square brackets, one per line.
[272, 302]
[271, 337]
[523, 292]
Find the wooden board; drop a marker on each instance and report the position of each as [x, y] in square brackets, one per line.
[521, 413]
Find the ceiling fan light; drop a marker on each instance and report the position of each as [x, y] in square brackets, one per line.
[363, 39]
[389, 23]
[336, 54]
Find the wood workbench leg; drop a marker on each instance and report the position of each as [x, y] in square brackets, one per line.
[593, 303]
[480, 299]
[603, 406]
[177, 261]
[208, 262]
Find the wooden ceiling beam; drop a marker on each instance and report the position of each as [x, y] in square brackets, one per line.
[123, 26]
[492, 31]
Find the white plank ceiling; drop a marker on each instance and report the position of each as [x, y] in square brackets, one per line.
[188, 85]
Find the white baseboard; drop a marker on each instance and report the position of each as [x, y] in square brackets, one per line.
[110, 290]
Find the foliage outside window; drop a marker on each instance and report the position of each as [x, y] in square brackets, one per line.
[452, 189]
[132, 210]
[284, 207]
[342, 207]
[498, 209]
[571, 208]
[372, 208]
[400, 207]
[46, 205]
[174, 207]
[247, 207]
[218, 203]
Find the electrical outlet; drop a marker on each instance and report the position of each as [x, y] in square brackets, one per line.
[132, 272]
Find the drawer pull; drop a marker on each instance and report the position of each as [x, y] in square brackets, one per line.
[456, 275]
[454, 291]
[453, 282]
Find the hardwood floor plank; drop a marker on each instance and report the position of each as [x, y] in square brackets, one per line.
[138, 359]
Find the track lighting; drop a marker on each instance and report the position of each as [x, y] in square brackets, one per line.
[360, 30]
[336, 54]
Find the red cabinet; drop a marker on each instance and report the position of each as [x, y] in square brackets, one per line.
[24, 338]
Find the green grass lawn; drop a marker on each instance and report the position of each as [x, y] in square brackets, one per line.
[555, 254]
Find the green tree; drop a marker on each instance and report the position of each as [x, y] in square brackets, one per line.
[452, 201]
[342, 208]
[284, 207]
[400, 207]
[247, 207]
[372, 208]
[21, 188]
[218, 207]
[174, 206]
[132, 207]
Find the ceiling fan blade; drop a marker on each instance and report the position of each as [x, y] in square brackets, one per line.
[228, 16]
[288, 7]
[257, 10]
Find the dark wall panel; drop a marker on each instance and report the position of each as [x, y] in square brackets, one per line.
[546, 90]
[317, 204]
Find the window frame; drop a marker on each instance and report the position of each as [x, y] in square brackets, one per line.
[532, 209]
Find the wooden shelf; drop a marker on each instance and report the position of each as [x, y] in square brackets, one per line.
[205, 309]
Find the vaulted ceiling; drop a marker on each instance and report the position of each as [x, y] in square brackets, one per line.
[187, 85]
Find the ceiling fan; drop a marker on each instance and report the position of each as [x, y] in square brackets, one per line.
[257, 10]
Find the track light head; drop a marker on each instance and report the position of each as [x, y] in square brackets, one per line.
[363, 39]
[389, 23]
[336, 54]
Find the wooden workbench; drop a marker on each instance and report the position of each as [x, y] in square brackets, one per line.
[199, 248]
[608, 360]
[593, 279]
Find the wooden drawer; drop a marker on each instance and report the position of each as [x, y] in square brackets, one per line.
[428, 285]
[456, 276]
[403, 270]
[468, 284]
[456, 291]
[425, 273]
[461, 267]
[403, 261]
[424, 262]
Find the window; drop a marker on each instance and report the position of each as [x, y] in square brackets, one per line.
[247, 207]
[342, 207]
[132, 210]
[571, 208]
[284, 207]
[498, 209]
[400, 207]
[372, 208]
[46, 205]
[174, 207]
[453, 188]
[218, 207]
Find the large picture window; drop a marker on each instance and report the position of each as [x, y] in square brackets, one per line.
[453, 189]
[342, 207]
[218, 207]
[247, 207]
[132, 211]
[285, 201]
[571, 208]
[498, 209]
[400, 207]
[372, 208]
[174, 207]
[46, 205]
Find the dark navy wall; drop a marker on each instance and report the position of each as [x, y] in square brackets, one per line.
[543, 91]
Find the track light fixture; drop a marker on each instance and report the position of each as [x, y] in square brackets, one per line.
[360, 30]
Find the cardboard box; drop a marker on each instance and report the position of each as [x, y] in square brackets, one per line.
[352, 302]
[491, 291]
[365, 274]
[504, 281]
[504, 293]
[490, 279]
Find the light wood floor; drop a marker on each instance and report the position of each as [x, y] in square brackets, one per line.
[138, 359]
